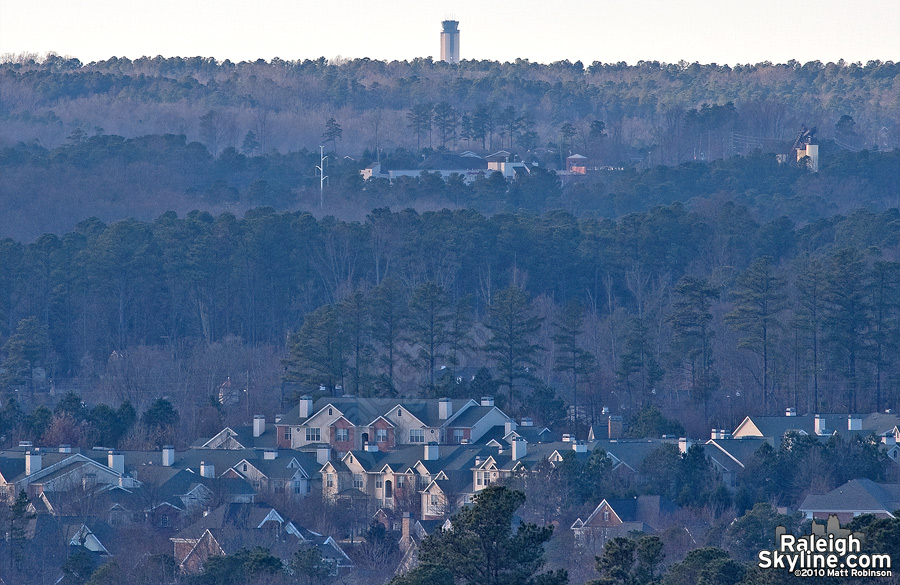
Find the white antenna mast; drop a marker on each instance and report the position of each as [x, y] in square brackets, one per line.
[321, 168]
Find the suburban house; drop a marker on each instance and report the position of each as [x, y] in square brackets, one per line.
[614, 518]
[37, 470]
[854, 498]
[349, 423]
[729, 456]
[255, 436]
[883, 425]
[232, 527]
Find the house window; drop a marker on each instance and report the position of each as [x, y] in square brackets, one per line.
[381, 435]
[244, 468]
[458, 436]
[342, 435]
[330, 412]
[313, 434]
[329, 480]
[606, 516]
[401, 480]
[164, 521]
[358, 481]
[379, 483]
[287, 434]
[416, 435]
[435, 500]
[399, 412]
[298, 487]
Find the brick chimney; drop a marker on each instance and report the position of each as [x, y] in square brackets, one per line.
[615, 427]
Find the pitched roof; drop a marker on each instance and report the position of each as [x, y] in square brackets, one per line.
[470, 416]
[859, 496]
[362, 411]
[738, 450]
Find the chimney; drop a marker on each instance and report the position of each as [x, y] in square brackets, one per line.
[820, 425]
[306, 406]
[519, 449]
[269, 454]
[65, 448]
[790, 411]
[431, 451]
[684, 444]
[207, 470]
[168, 455]
[615, 427]
[854, 423]
[579, 447]
[527, 422]
[714, 434]
[370, 447]
[445, 409]
[405, 527]
[323, 454]
[259, 425]
[487, 401]
[509, 427]
[116, 462]
[605, 411]
[567, 438]
[32, 462]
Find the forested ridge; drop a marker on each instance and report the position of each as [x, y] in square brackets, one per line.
[691, 270]
[188, 133]
[708, 307]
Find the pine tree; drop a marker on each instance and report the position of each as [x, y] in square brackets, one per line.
[692, 335]
[759, 298]
[846, 317]
[429, 321]
[571, 358]
[317, 351]
[512, 326]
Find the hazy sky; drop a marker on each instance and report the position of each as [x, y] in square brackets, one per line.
[724, 31]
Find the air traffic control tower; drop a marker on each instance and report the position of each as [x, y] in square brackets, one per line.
[450, 41]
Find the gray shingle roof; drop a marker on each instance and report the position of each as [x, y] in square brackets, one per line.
[857, 496]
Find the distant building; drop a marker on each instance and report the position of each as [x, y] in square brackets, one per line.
[450, 41]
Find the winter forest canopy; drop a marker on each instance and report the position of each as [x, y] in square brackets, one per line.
[694, 272]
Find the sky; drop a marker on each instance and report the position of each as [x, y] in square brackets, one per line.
[723, 32]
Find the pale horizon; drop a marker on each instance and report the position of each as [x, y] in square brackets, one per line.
[645, 30]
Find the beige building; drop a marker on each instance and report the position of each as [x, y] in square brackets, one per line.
[450, 41]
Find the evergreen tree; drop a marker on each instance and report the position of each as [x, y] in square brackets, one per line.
[482, 548]
[388, 316]
[759, 298]
[690, 319]
[356, 323]
[512, 326]
[846, 318]
[571, 358]
[332, 133]
[316, 352]
[429, 321]
[809, 314]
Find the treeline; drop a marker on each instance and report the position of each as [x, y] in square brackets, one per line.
[74, 423]
[666, 113]
[669, 306]
[113, 177]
